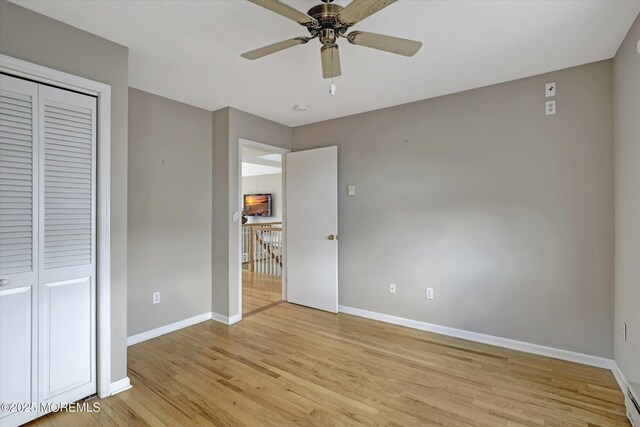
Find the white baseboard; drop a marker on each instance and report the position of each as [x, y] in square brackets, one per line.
[144, 336]
[135, 339]
[557, 353]
[120, 385]
[226, 319]
[219, 318]
[620, 378]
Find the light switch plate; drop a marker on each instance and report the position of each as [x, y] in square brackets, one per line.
[351, 190]
[550, 108]
[550, 89]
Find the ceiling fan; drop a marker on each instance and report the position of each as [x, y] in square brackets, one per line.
[328, 22]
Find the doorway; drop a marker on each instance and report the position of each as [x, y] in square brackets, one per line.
[308, 200]
[262, 230]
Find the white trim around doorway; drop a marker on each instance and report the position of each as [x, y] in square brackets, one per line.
[40, 74]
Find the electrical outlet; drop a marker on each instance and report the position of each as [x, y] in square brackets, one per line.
[550, 108]
[550, 89]
[429, 293]
[392, 288]
[624, 331]
[156, 297]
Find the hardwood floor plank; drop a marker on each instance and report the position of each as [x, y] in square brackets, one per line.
[259, 291]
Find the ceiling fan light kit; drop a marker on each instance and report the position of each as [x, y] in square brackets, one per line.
[328, 23]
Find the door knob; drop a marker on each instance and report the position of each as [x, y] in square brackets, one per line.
[4, 282]
[332, 237]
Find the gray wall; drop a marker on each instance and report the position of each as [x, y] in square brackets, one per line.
[169, 211]
[506, 213]
[626, 80]
[229, 125]
[35, 38]
[260, 184]
[221, 213]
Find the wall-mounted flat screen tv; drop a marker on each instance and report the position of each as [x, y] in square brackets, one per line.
[257, 204]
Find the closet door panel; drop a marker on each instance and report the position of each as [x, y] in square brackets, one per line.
[18, 246]
[67, 307]
[67, 323]
[17, 364]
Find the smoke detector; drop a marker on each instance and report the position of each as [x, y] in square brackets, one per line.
[301, 107]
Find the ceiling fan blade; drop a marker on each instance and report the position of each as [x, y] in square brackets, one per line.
[285, 10]
[273, 48]
[330, 61]
[387, 43]
[357, 10]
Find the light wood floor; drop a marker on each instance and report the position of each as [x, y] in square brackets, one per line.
[259, 291]
[292, 365]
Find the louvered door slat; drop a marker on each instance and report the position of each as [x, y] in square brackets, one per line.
[65, 109]
[53, 116]
[69, 126]
[24, 148]
[69, 183]
[69, 152]
[15, 142]
[16, 182]
[13, 101]
[14, 111]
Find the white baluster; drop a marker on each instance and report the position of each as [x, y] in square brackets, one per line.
[259, 238]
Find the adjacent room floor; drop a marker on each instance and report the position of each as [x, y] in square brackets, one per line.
[259, 291]
[293, 365]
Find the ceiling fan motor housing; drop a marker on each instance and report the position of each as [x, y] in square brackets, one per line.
[330, 28]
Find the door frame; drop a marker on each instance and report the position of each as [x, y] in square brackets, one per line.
[40, 74]
[242, 142]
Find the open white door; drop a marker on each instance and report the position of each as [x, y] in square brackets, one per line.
[312, 228]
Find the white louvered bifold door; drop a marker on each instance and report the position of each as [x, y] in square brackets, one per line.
[67, 333]
[18, 245]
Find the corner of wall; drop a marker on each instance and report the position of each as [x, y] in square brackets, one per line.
[626, 94]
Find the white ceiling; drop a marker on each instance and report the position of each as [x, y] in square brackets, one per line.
[190, 50]
[260, 162]
[253, 169]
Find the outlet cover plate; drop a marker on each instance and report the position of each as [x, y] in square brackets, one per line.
[550, 108]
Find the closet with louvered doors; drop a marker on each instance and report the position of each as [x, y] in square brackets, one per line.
[47, 246]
